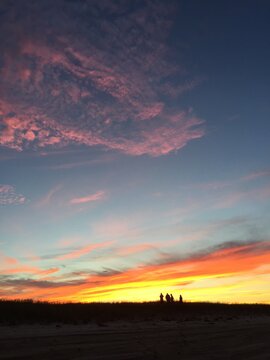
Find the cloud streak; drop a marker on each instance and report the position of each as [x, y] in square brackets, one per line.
[48, 198]
[233, 198]
[83, 251]
[99, 195]
[106, 86]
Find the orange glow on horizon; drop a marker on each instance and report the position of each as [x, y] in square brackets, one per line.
[238, 274]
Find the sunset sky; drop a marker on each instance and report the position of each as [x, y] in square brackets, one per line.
[134, 150]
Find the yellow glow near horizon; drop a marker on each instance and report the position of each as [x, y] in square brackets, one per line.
[238, 290]
[225, 276]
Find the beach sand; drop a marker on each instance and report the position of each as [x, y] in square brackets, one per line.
[205, 338]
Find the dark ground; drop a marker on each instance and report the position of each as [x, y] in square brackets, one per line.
[134, 331]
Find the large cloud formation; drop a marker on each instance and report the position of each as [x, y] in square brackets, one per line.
[94, 73]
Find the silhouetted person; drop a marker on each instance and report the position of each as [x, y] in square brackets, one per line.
[161, 296]
[168, 298]
[180, 299]
[171, 298]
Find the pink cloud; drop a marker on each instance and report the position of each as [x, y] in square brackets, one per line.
[7, 260]
[99, 195]
[177, 90]
[20, 269]
[23, 269]
[48, 271]
[129, 72]
[134, 249]
[83, 251]
[151, 112]
[10, 265]
[166, 139]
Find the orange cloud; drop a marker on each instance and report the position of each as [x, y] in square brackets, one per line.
[10, 265]
[48, 271]
[21, 269]
[214, 274]
[10, 261]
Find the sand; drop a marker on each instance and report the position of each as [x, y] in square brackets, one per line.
[217, 338]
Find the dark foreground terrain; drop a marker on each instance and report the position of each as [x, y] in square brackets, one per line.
[135, 331]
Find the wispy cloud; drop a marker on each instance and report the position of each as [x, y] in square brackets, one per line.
[9, 196]
[113, 80]
[233, 198]
[13, 266]
[222, 184]
[82, 163]
[256, 174]
[47, 199]
[83, 251]
[135, 249]
[99, 195]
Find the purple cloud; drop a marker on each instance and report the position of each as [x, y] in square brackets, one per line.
[96, 74]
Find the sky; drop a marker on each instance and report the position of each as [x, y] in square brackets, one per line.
[134, 150]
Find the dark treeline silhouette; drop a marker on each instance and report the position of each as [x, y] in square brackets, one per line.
[28, 311]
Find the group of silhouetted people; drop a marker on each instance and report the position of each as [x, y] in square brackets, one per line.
[169, 298]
